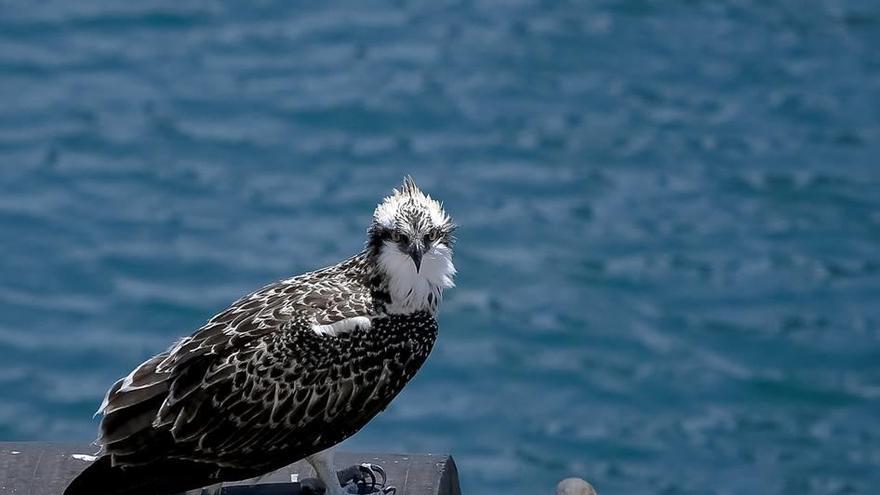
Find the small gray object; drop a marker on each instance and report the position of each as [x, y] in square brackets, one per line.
[574, 486]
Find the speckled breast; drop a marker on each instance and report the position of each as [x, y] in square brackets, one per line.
[333, 386]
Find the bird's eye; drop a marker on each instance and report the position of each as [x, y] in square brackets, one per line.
[395, 236]
[433, 235]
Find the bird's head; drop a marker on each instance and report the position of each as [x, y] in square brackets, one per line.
[413, 237]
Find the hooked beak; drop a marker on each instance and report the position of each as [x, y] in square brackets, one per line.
[415, 252]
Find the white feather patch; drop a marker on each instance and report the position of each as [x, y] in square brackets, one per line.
[342, 326]
[411, 289]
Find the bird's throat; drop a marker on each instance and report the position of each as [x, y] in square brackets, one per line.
[409, 289]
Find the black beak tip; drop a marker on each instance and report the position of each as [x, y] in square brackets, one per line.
[417, 260]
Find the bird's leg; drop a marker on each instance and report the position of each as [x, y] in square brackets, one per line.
[323, 464]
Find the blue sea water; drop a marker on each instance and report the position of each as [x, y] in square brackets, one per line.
[669, 250]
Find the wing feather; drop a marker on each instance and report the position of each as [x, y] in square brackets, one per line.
[256, 377]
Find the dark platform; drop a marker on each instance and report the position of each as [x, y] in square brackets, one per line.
[31, 468]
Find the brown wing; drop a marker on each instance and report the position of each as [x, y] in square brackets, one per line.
[166, 392]
[283, 400]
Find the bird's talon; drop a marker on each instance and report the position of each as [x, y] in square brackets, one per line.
[389, 490]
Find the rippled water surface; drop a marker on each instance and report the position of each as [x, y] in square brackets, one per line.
[669, 249]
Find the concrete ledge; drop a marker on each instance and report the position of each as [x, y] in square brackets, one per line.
[36, 468]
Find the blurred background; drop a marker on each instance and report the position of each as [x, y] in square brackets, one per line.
[669, 250]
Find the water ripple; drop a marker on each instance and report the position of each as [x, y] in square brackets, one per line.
[669, 219]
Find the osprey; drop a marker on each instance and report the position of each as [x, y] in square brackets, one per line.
[286, 372]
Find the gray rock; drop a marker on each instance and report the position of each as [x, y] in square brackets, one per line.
[574, 486]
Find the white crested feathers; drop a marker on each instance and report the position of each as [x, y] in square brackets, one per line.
[420, 290]
[409, 194]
